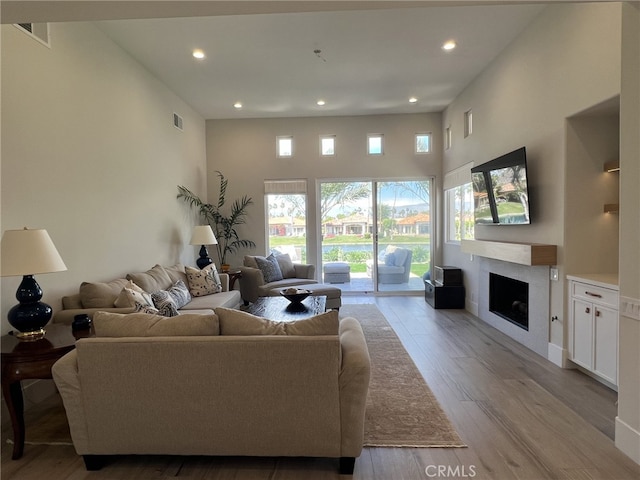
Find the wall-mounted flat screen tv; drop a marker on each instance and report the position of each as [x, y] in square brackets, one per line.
[500, 192]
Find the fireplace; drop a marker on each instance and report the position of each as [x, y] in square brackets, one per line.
[509, 299]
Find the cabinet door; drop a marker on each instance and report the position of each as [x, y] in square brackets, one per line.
[606, 343]
[582, 352]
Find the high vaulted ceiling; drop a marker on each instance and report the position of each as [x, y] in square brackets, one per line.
[361, 58]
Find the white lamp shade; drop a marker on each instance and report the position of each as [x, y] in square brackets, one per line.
[203, 235]
[29, 252]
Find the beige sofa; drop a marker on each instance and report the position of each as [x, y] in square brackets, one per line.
[224, 384]
[104, 296]
[254, 285]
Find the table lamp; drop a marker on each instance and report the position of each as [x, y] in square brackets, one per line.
[203, 235]
[28, 252]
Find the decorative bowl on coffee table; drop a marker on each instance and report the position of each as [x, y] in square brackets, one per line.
[296, 297]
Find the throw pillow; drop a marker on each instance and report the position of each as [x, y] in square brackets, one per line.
[132, 294]
[269, 268]
[108, 324]
[401, 256]
[250, 261]
[164, 303]
[176, 272]
[286, 265]
[143, 308]
[326, 323]
[237, 322]
[203, 282]
[101, 295]
[152, 280]
[179, 294]
[390, 259]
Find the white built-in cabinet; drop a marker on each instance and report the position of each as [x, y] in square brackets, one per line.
[593, 324]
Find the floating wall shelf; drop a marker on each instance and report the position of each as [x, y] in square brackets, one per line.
[612, 166]
[521, 253]
[611, 208]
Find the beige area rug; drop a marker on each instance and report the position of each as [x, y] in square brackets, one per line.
[401, 409]
[50, 427]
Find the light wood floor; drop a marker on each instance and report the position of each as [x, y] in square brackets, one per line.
[521, 416]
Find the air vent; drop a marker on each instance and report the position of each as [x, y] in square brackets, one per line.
[37, 31]
[177, 121]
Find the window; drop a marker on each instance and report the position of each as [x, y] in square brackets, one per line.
[458, 196]
[285, 146]
[327, 145]
[459, 205]
[374, 144]
[468, 123]
[286, 218]
[447, 138]
[423, 143]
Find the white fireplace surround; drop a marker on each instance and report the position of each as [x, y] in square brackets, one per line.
[537, 337]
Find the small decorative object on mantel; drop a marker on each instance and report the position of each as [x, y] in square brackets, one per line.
[28, 252]
[203, 235]
[224, 226]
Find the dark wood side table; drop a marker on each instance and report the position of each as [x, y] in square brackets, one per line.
[29, 360]
[233, 276]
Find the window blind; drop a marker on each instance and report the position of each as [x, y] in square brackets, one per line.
[457, 177]
[285, 187]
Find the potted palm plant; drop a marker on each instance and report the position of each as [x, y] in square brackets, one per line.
[224, 226]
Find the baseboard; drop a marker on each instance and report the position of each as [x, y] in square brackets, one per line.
[472, 307]
[557, 355]
[628, 440]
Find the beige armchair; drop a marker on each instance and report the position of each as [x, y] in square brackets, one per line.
[253, 283]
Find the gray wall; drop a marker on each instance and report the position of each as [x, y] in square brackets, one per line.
[628, 421]
[89, 152]
[245, 152]
[523, 99]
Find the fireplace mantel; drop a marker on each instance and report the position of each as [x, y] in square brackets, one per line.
[514, 252]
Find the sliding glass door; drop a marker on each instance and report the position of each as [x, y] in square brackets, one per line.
[376, 235]
[346, 217]
[403, 234]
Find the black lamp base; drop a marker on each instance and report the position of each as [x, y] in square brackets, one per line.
[204, 259]
[31, 315]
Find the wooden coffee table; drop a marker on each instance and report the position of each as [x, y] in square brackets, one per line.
[281, 310]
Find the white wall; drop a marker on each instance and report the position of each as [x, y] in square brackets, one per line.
[565, 61]
[245, 152]
[89, 152]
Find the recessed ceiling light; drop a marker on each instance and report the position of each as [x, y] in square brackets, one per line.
[320, 102]
[413, 100]
[199, 54]
[449, 45]
[237, 105]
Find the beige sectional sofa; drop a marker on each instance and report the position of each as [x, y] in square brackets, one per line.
[222, 384]
[107, 296]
